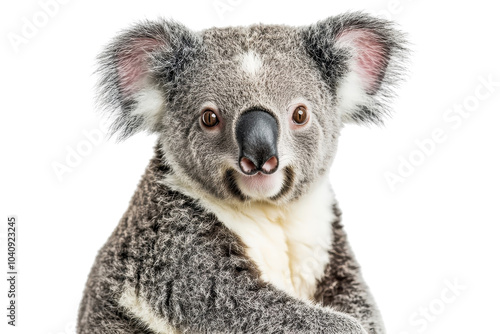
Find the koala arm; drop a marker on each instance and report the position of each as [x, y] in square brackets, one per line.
[215, 289]
[181, 267]
[343, 287]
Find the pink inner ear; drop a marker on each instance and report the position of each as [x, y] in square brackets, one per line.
[371, 56]
[132, 64]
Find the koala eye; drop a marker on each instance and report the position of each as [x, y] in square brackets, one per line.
[209, 118]
[300, 115]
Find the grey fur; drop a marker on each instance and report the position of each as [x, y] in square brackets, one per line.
[330, 58]
[192, 270]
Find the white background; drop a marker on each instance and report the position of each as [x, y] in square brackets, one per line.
[440, 225]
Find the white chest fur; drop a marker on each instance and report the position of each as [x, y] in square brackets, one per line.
[290, 243]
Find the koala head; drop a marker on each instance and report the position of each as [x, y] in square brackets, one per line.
[250, 113]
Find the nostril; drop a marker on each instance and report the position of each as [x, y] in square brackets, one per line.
[270, 165]
[247, 166]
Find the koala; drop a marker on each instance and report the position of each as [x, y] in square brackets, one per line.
[234, 227]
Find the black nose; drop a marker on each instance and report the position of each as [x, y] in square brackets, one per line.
[257, 136]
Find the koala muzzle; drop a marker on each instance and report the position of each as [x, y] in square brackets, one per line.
[257, 137]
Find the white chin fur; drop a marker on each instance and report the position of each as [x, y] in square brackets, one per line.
[261, 186]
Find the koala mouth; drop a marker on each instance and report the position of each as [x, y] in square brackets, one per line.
[260, 186]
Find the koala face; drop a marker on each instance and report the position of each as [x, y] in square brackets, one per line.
[252, 87]
[250, 113]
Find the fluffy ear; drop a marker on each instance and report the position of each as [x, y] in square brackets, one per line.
[136, 71]
[361, 58]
